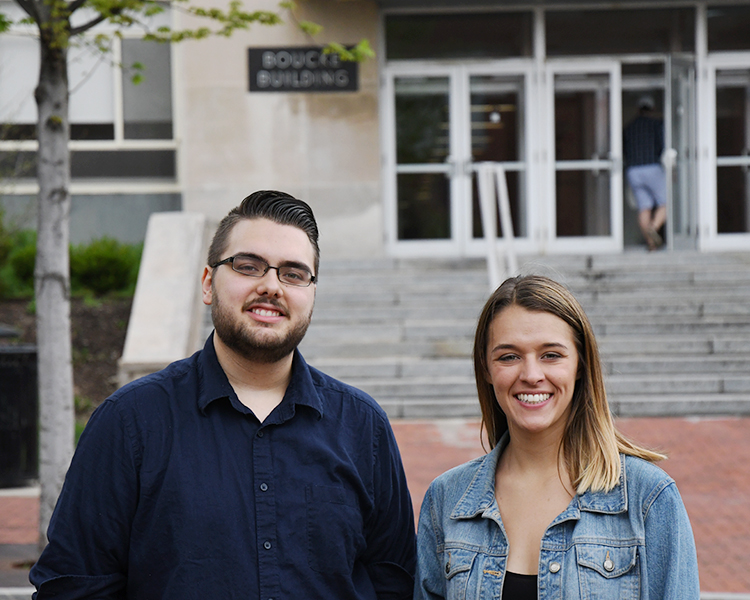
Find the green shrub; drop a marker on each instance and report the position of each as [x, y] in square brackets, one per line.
[17, 274]
[6, 240]
[100, 267]
[104, 265]
[23, 257]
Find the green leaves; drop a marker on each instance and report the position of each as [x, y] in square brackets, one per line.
[362, 51]
[53, 19]
[5, 23]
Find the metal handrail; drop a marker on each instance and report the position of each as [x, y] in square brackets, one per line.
[493, 194]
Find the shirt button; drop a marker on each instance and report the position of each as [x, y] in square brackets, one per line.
[260, 433]
[263, 487]
[267, 545]
[554, 567]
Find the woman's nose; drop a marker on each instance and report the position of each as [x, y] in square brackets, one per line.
[532, 371]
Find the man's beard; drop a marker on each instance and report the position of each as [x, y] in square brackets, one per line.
[239, 337]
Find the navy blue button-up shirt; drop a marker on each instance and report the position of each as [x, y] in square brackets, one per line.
[177, 491]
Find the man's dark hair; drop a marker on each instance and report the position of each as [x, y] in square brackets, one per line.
[278, 207]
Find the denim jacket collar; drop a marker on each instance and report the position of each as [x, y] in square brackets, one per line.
[479, 497]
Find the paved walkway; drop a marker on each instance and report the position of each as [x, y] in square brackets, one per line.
[709, 459]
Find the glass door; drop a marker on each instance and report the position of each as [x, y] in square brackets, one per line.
[440, 123]
[731, 207]
[585, 165]
[498, 134]
[420, 167]
[680, 158]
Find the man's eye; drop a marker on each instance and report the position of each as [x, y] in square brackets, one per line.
[294, 275]
[247, 267]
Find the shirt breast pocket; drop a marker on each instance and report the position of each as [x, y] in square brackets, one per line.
[608, 571]
[457, 568]
[334, 528]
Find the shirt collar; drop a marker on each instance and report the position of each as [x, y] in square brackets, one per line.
[612, 502]
[214, 385]
[480, 495]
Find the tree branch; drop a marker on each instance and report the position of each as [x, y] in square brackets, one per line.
[86, 26]
[75, 5]
[29, 7]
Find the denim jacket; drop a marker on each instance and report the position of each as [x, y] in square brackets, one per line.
[633, 542]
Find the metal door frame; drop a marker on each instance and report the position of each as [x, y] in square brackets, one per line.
[458, 166]
[709, 238]
[613, 163]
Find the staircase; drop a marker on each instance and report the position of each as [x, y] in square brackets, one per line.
[673, 329]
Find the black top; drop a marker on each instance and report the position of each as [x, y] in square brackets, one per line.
[519, 587]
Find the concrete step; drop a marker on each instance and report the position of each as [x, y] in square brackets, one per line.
[689, 383]
[663, 405]
[621, 405]
[676, 365]
[388, 367]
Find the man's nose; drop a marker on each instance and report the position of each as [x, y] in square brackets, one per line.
[269, 283]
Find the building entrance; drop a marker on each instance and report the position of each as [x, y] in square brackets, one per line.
[670, 85]
[558, 135]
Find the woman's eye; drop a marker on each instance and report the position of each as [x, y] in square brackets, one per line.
[506, 358]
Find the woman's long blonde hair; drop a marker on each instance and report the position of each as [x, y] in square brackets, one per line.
[591, 444]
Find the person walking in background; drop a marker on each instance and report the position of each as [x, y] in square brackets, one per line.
[563, 506]
[240, 472]
[643, 145]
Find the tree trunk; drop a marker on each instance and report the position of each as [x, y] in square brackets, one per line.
[52, 276]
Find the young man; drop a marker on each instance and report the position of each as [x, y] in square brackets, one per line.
[240, 472]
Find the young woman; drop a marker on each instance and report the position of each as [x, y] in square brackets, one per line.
[563, 506]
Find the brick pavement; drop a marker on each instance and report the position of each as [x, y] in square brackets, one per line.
[707, 457]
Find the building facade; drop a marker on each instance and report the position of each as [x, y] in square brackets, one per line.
[388, 155]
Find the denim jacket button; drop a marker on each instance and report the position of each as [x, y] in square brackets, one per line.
[609, 566]
[554, 567]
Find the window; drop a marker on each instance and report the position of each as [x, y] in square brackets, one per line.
[466, 35]
[109, 114]
[728, 27]
[588, 32]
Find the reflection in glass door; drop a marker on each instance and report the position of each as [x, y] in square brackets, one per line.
[498, 136]
[587, 168]
[733, 151]
[422, 123]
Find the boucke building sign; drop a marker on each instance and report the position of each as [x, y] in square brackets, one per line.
[300, 69]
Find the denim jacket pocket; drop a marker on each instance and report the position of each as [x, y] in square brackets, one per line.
[608, 571]
[457, 567]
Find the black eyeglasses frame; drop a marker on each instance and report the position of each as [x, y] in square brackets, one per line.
[230, 260]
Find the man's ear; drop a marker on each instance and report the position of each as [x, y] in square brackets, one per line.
[206, 281]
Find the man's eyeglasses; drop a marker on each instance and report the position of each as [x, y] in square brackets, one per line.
[252, 266]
